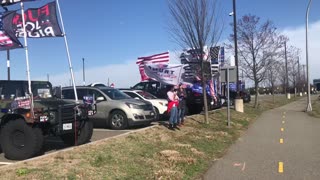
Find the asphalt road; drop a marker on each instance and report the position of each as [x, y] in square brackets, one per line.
[283, 143]
[55, 144]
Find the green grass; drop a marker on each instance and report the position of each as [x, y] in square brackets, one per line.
[151, 154]
[315, 108]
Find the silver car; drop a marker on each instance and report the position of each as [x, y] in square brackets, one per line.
[114, 108]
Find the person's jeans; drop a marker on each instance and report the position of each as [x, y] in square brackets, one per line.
[181, 113]
[173, 115]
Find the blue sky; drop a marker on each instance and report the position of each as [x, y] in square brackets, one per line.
[111, 34]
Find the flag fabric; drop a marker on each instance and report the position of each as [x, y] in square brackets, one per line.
[7, 38]
[10, 2]
[214, 54]
[40, 22]
[221, 55]
[162, 58]
[164, 73]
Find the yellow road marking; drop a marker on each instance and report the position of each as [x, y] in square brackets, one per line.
[283, 116]
[282, 129]
[281, 141]
[283, 122]
[284, 112]
[280, 169]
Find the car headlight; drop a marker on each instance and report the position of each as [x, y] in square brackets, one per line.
[133, 106]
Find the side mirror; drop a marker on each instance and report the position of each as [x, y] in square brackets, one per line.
[100, 98]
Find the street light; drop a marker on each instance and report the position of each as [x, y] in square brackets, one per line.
[83, 73]
[309, 106]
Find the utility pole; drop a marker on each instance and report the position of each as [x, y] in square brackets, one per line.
[299, 75]
[48, 77]
[309, 106]
[83, 73]
[8, 63]
[236, 44]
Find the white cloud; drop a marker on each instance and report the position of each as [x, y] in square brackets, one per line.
[297, 38]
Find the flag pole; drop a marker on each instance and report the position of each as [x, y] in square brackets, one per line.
[68, 53]
[27, 56]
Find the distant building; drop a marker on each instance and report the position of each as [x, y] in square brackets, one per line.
[316, 84]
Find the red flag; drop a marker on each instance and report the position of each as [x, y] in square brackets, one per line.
[162, 58]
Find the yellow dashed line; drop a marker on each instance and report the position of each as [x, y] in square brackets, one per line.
[281, 141]
[284, 112]
[283, 116]
[283, 122]
[282, 129]
[280, 169]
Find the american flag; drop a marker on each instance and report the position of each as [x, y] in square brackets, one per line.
[162, 58]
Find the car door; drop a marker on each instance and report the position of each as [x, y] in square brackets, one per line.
[101, 103]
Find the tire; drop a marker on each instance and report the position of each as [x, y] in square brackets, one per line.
[118, 120]
[39, 135]
[157, 115]
[84, 135]
[19, 141]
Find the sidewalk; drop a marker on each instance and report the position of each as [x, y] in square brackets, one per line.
[283, 143]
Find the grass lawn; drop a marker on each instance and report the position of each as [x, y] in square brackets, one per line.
[315, 107]
[156, 153]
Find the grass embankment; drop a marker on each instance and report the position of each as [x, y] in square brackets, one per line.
[156, 153]
[315, 107]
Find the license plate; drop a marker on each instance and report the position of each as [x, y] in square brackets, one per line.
[67, 126]
[43, 118]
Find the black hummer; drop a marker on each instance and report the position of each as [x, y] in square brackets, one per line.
[26, 120]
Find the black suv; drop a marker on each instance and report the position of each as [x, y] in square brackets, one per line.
[25, 120]
[194, 99]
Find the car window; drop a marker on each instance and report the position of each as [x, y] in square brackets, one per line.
[95, 93]
[146, 95]
[132, 94]
[68, 94]
[139, 86]
[115, 94]
[81, 93]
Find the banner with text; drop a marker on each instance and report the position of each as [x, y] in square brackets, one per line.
[164, 73]
[40, 22]
[10, 2]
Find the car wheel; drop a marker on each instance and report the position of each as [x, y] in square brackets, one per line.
[19, 141]
[118, 120]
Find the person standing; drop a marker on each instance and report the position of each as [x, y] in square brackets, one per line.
[173, 102]
[182, 94]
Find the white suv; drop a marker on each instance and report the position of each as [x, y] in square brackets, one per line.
[114, 108]
[160, 105]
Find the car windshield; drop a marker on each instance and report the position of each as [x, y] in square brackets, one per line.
[146, 95]
[115, 94]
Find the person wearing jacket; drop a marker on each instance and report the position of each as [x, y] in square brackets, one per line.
[173, 102]
[182, 94]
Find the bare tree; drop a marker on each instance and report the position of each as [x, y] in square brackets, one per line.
[257, 43]
[272, 75]
[293, 71]
[194, 25]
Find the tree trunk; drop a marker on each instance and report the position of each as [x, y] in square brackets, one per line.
[256, 97]
[204, 91]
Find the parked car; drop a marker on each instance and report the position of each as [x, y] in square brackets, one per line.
[160, 105]
[114, 108]
[194, 96]
[24, 125]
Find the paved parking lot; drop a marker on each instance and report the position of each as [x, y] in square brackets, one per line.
[55, 144]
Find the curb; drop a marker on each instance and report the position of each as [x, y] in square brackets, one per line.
[74, 147]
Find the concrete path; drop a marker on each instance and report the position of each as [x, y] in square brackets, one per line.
[283, 143]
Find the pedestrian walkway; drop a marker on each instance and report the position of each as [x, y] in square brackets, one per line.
[284, 143]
